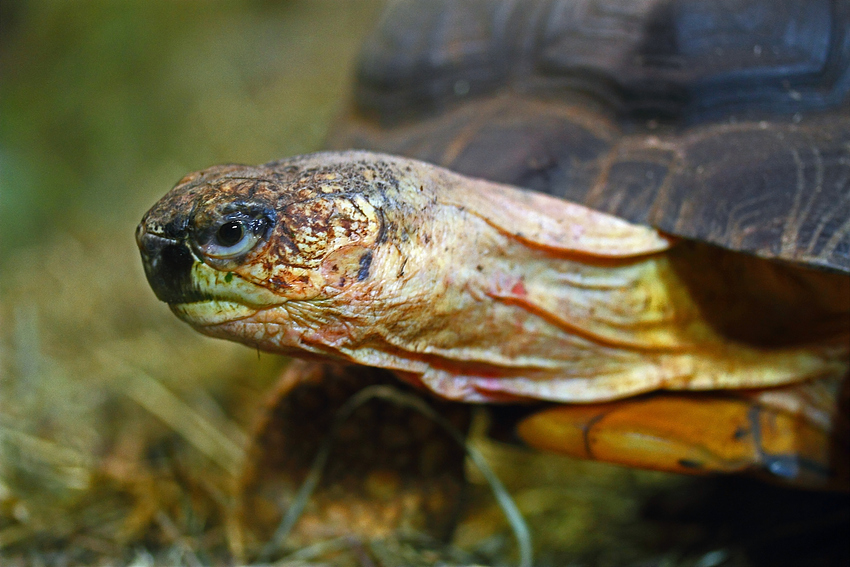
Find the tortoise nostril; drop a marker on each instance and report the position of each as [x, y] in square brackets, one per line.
[177, 228]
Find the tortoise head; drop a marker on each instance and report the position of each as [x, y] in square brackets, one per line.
[231, 242]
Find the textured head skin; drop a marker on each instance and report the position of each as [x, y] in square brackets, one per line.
[315, 228]
[479, 291]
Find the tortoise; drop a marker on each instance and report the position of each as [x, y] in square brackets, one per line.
[634, 218]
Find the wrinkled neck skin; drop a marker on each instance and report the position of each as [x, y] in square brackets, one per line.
[478, 291]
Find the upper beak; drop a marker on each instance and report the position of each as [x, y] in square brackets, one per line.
[168, 266]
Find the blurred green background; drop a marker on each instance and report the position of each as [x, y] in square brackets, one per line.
[104, 105]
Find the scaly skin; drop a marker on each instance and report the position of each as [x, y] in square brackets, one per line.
[479, 291]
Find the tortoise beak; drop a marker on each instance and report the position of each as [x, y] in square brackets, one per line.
[168, 266]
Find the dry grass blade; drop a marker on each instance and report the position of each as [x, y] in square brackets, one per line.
[148, 392]
[47, 451]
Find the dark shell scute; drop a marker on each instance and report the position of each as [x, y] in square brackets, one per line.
[725, 121]
[688, 59]
[778, 191]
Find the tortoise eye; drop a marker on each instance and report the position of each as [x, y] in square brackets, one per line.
[234, 237]
[230, 234]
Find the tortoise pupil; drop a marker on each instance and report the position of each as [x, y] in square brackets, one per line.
[230, 233]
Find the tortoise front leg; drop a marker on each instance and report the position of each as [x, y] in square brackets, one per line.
[390, 471]
[693, 433]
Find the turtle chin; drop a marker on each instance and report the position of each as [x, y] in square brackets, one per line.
[216, 297]
[212, 312]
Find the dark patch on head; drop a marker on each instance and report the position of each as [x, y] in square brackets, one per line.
[365, 264]
[177, 227]
[740, 433]
[280, 283]
[382, 226]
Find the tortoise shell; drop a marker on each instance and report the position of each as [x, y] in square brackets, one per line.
[725, 122]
